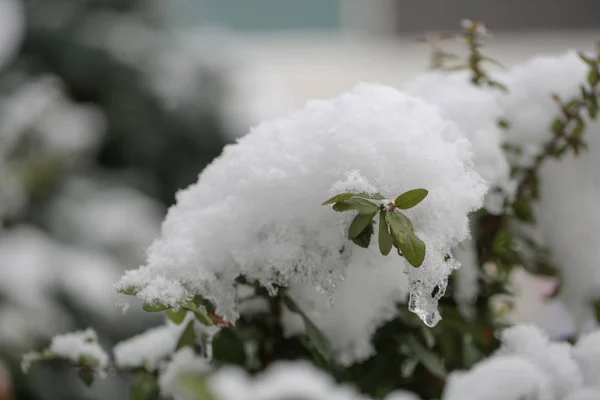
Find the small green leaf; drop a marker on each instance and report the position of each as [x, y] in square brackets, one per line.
[154, 307]
[586, 59]
[190, 386]
[364, 239]
[430, 360]
[144, 386]
[88, 361]
[199, 311]
[385, 238]
[86, 376]
[592, 78]
[363, 206]
[317, 339]
[130, 290]
[399, 222]
[503, 123]
[579, 127]
[411, 198]
[188, 336]
[413, 249]
[374, 196]
[228, 348]
[203, 317]
[359, 224]
[343, 205]
[339, 197]
[557, 125]
[177, 316]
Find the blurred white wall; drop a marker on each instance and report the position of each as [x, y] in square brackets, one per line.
[310, 65]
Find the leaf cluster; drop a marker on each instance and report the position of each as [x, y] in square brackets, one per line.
[395, 228]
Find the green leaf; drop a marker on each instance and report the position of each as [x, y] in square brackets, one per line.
[228, 348]
[190, 386]
[596, 306]
[315, 336]
[188, 336]
[199, 311]
[154, 307]
[385, 237]
[374, 196]
[86, 376]
[399, 222]
[130, 290]
[363, 206]
[413, 248]
[430, 360]
[343, 205]
[88, 361]
[411, 198]
[364, 239]
[592, 78]
[144, 386]
[503, 123]
[579, 128]
[359, 224]
[557, 125]
[339, 197]
[203, 317]
[586, 59]
[177, 316]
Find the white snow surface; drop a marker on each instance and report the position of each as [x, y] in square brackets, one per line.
[183, 361]
[256, 210]
[282, 380]
[149, 348]
[75, 345]
[476, 111]
[363, 301]
[530, 366]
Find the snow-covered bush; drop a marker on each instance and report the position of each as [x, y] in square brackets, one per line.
[315, 258]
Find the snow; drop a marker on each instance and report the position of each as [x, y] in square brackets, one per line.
[529, 364]
[39, 106]
[282, 380]
[585, 394]
[401, 395]
[90, 214]
[499, 378]
[183, 361]
[74, 346]
[363, 301]
[34, 268]
[476, 111]
[466, 278]
[587, 355]
[256, 210]
[567, 212]
[148, 349]
[12, 29]
[553, 358]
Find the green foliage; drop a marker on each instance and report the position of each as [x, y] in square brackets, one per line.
[386, 241]
[144, 386]
[395, 228]
[188, 336]
[317, 338]
[191, 386]
[411, 198]
[177, 317]
[228, 347]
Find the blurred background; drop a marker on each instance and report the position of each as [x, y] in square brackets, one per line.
[108, 107]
